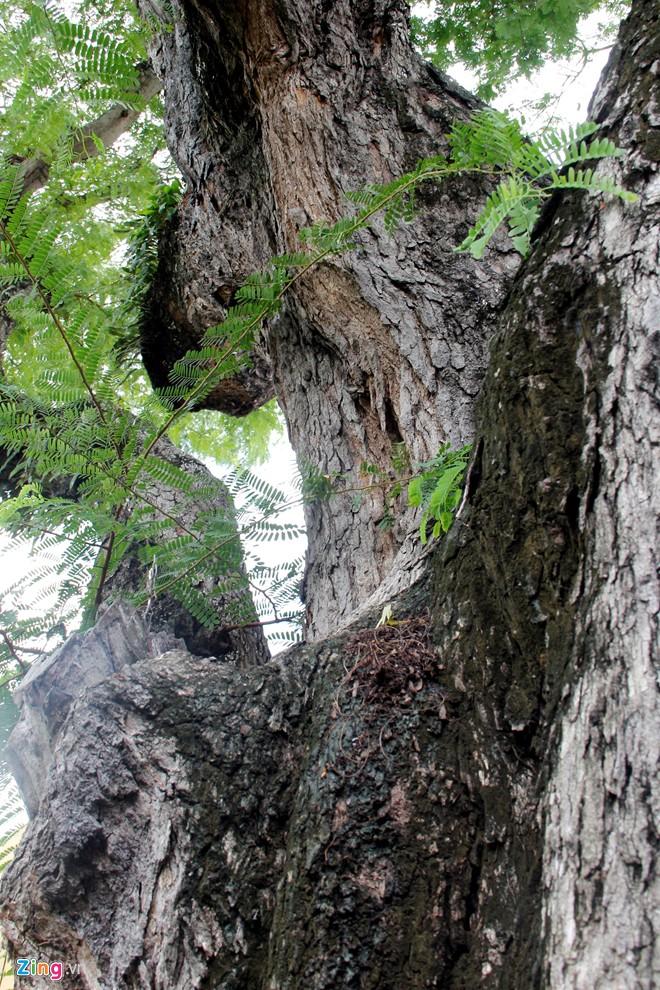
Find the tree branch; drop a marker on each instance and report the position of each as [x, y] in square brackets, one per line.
[12, 649]
[107, 129]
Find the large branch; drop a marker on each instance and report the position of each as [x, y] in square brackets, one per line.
[107, 129]
[285, 114]
[372, 812]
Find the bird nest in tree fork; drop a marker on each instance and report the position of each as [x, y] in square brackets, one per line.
[392, 662]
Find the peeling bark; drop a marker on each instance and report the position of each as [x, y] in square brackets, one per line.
[354, 815]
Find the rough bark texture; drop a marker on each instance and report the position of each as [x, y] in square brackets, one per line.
[556, 551]
[275, 111]
[47, 692]
[602, 803]
[465, 799]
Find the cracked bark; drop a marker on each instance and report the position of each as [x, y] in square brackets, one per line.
[275, 112]
[492, 825]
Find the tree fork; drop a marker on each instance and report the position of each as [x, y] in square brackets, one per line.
[384, 346]
[492, 823]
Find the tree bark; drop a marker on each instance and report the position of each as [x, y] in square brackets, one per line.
[464, 799]
[274, 112]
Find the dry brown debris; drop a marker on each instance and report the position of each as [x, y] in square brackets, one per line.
[393, 662]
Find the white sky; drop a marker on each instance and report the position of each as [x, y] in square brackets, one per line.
[572, 83]
[568, 79]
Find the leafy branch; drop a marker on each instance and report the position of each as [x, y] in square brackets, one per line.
[77, 431]
[489, 144]
[39, 286]
[436, 489]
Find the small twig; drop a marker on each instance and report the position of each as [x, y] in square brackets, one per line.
[55, 318]
[254, 625]
[255, 587]
[12, 649]
[104, 570]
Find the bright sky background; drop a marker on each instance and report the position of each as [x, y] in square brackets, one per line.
[567, 79]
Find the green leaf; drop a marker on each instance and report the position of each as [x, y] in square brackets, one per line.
[415, 491]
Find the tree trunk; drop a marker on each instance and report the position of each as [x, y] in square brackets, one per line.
[463, 799]
[276, 111]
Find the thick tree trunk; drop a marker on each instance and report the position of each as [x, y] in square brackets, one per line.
[464, 799]
[274, 112]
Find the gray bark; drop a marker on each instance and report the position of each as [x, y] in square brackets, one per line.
[465, 799]
[601, 808]
[275, 111]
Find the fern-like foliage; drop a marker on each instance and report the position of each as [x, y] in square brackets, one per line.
[12, 819]
[508, 39]
[140, 269]
[38, 603]
[57, 75]
[531, 171]
[68, 430]
[436, 490]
